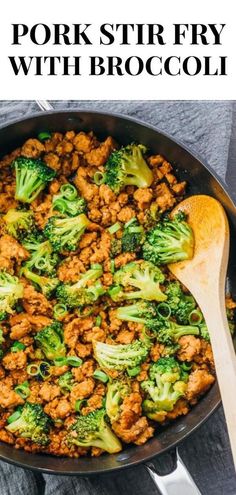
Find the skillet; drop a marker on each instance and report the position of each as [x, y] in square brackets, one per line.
[202, 180]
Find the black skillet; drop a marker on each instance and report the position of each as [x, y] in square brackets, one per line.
[202, 180]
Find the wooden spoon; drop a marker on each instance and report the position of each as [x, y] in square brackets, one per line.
[204, 275]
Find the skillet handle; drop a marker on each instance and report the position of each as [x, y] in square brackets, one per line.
[177, 482]
[44, 105]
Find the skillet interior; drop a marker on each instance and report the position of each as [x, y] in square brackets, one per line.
[202, 180]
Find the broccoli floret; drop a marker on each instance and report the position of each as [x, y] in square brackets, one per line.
[166, 384]
[170, 241]
[141, 312]
[144, 276]
[116, 392]
[133, 237]
[80, 294]
[66, 382]
[231, 319]
[32, 177]
[93, 431]
[120, 356]
[169, 331]
[42, 257]
[127, 166]
[19, 222]
[46, 285]
[204, 333]
[68, 202]
[33, 423]
[65, 233]
[10, 291]
[181, 305]
[50, 341]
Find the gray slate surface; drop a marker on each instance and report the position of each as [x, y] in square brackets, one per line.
[209, 128]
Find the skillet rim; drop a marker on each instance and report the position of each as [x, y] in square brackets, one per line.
[217, 399]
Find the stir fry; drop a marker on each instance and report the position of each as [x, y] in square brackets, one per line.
[100, 346]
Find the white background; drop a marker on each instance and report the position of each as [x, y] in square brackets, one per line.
[97, 12]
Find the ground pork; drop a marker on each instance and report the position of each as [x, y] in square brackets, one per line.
[58, 408]
[199, 382]
[32, 148]
[82, 390]
[190, 347]
[14, 360]
[35, 303]
[8, 397]
[49, 391]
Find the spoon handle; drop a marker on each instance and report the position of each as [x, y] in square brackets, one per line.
[225, 360]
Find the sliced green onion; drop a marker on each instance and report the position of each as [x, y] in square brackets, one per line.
[114, 290]
[101, 376]
[164, 311]
[134, 230]
[112, 266]
[99, 178]
[96, 266]
[74, 361]
[44, 370]
[132, 220]
[42, 136]
[104, 402]
[195, 317]
[98, 321]
[23, 390]
[17, 346]
[40, 264]
[16, 415]
[134, 371]
[61, 361]
[60, 205]
[60, 310]
[79, 403]
[33, 369]
[114, 228]
[186, 366]
[69, 192]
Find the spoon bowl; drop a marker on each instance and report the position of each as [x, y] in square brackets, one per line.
[204, 276]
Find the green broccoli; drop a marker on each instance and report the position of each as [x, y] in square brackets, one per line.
[166, 384]
[66, 382]
[170, 241]
[1, 342]
[65, 233]
[68, 202]
[80, 293]
[11, 290]
[204, 333]
[133, 237]
[50, 341]
[32, 423]
[127, 166]
[46, 285]
[93, 431]
[169, 332]
[42, 257]
[117, 390]
[231, 319]
[140, 312]
[32, 176]
[142, 275]
[120, 356]
[181, 305]
[19, 222]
